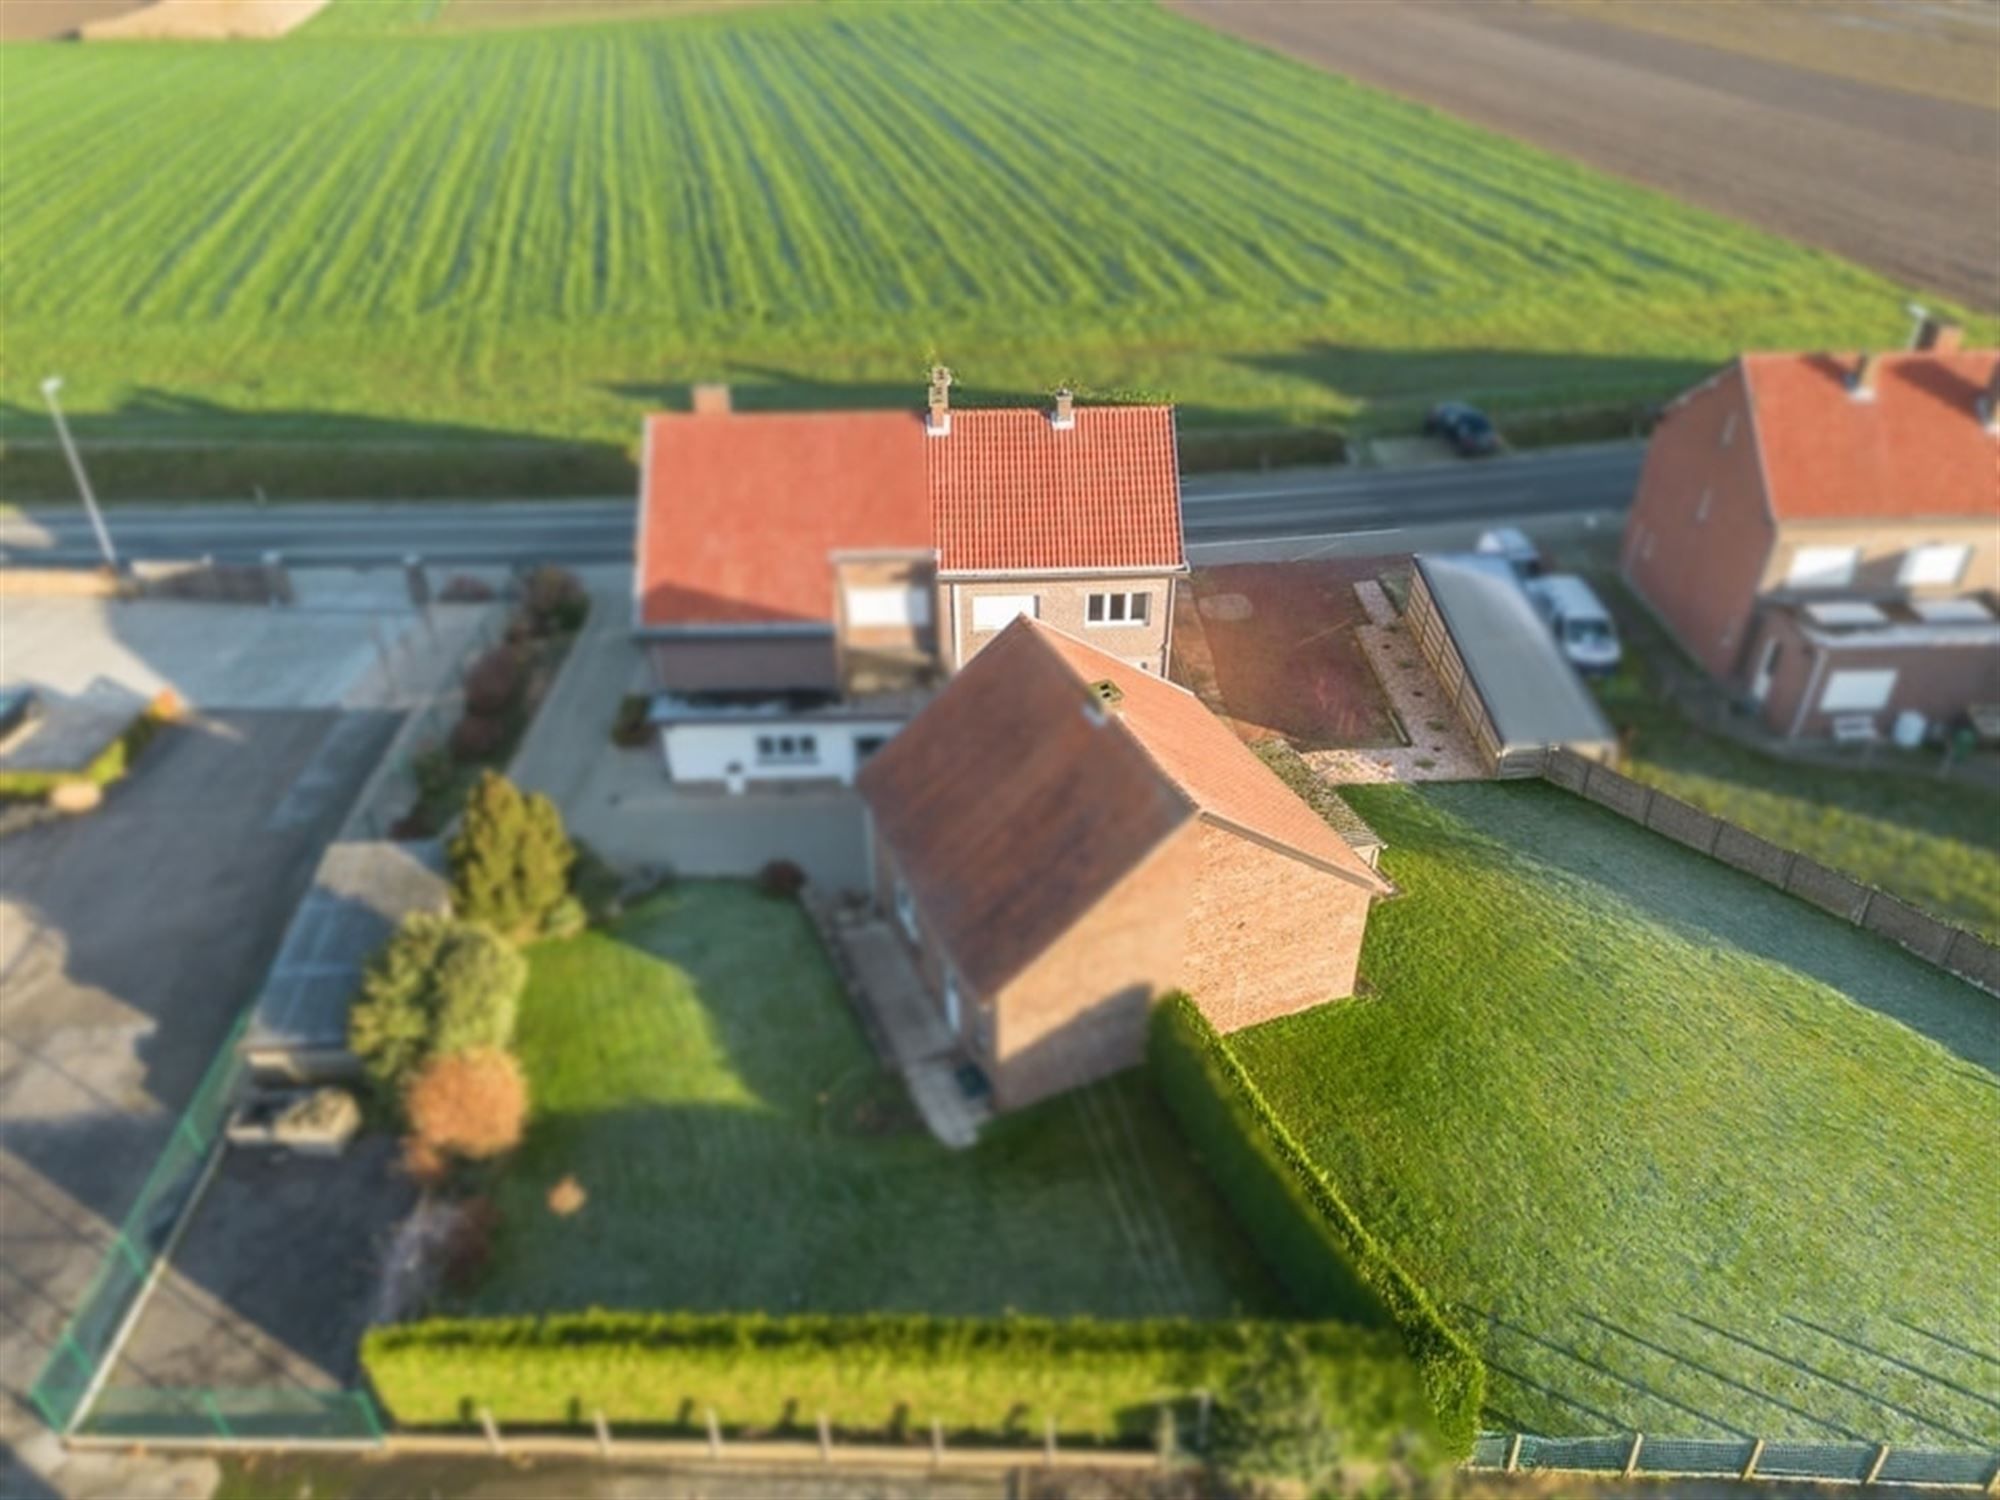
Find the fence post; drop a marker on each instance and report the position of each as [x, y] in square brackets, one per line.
[1750, 1465]
[603, 1435]
[1049, 1440]
[1632, 1457]
[1166, 1435]
[492, 1431]
[1875, 1468]
[215, 1413]
[714, 1435]
[825, 1440]
[937, 1443]
[367, 1404]
[1514, 1454]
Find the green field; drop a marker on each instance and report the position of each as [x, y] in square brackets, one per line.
[397, 234]
[1685, 1155]
[698, 1072]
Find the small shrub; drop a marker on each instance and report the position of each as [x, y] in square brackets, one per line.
[476, 737]
[567, 1197]
[417, 823]
[555, 600]
[468, 1249]
[629, 730]
[511, 860]
[1274, 1424]
[594, 883]
[437, 985]
[781, 879]
[463, 588]
[565, 919]
[469, 1104]
[493, 683]
[432, 770]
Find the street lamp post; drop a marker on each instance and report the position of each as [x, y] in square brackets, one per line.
[49, 389]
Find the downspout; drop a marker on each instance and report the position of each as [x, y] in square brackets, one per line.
[1820, 657]
[957, 633]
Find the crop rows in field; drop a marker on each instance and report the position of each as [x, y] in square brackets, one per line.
[848, 177]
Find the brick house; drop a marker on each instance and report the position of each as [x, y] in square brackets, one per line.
[1062, 837]
[1822, 534]
[805, 580]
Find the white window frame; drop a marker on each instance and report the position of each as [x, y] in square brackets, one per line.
[787, 748]
[1858, 690]
[906, 913]
[1822, 567]
[998, 611]
[954, 1004]
[1116, 609]
[1919, 568]
[887, 608]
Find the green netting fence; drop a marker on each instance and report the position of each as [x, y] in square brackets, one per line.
[1724, 1458]
[71, 1373]
[214, 1414]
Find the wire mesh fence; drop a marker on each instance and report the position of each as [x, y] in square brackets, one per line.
[1849, 1463]
[72, 1371]
[214, 1414]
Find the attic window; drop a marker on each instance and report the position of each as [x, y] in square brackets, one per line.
[1729, 430]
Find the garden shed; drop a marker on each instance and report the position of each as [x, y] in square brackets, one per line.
[1500, 667]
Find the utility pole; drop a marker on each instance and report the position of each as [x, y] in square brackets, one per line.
[49, 388]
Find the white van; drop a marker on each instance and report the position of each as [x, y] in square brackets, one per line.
[1580, 623]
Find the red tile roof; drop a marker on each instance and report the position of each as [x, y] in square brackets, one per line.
[1012, 809]
[1917, 450]
[1010, 491]
[741, 512]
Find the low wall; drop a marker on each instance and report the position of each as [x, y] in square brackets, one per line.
[1931, 939]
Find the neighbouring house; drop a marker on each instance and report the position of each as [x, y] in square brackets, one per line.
[805, 580]
[1499, 666]
[1822, 534]
[1063, 836]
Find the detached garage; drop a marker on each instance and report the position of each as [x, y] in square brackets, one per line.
[737, 746]
[1499, 665]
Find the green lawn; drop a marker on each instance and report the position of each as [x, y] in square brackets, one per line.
[698, 1071]
[394, 234]
[1893, 823]
[1686, 1155]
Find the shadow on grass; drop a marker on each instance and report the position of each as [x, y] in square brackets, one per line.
[1930, 1376]
[1714, 905]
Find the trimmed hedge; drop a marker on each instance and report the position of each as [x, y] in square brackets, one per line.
[1293, 1213]
[884, 1373]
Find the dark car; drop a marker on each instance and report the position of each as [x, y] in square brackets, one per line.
[1468, 429]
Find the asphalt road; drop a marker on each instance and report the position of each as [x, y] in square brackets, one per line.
[1220, 508]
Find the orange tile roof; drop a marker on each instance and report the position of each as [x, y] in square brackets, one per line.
[1012, 492]
[741, 512]
[1917, 450]
[1012, 809]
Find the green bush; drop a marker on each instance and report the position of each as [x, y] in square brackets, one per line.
[881, 1373]
[510, 861]
[1293, 1213]
[437, 986]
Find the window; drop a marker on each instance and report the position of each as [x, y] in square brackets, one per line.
[1701, 510]
[1854, 692]
[888, 607]
[1939, 563]
[866, 745]
[1118, 609]
[1822, 567]
[906, 912]
[954, 1005]
[997, 611]
[1729, 430]
[787, 749]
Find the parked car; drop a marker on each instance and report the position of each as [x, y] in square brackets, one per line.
[1578, 620]
[19, 707]
[1469, 430]
[1512, 543]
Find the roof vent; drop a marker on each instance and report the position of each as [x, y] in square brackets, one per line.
[711, 400]
[1937, 336]
[1105, 697]
[1861, 383]
[938, 423]
[1064, 416]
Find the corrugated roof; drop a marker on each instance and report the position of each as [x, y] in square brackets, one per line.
[743, 511]
[1916, 449]
[1013, 807]
[1532, 694]
[1011, 491]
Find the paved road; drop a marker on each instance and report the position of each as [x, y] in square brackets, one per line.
[1220, 508]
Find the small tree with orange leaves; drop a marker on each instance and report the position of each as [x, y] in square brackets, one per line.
[471, 1104]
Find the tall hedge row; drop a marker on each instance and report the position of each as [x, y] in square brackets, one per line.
[869, 1374]
[1314, 1240]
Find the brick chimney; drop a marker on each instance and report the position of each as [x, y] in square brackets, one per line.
[1861, 382]
[1064, 416]
[711, 400]
[938, 423]
[1989, 402]
[1937, 336]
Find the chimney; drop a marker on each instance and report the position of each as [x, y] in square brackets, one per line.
[1936, 336]
[711, 400]
[1064, 416]
[1861, 383]
[1989, 402]
[939, 421]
